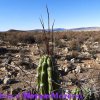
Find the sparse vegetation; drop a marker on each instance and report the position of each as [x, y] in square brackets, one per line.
[82, 46]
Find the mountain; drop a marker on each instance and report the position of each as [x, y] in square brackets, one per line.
[14, 30]
[59, 29]
[55, 30]
[78, 29]
[85, 29]
[72, 29]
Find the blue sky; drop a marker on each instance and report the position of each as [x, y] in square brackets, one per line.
[24, 14]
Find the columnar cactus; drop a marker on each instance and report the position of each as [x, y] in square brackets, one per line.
[47, 76]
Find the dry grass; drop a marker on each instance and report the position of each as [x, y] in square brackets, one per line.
[32, 37]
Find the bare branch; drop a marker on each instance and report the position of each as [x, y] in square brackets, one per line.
[52, 38]
[48, 19]
[42, 23]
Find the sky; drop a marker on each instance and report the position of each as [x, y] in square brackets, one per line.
[25, 14]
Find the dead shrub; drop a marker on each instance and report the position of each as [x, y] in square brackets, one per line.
[75, 54]
[60, 44]
[26, 38]
[74, 45]
[22, 37]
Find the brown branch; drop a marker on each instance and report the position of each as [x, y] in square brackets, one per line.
[52, 38]
[48, 19]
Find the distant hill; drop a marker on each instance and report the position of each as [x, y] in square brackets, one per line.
[79, 29]
[59, 29]
[85, 29]
[13, 30]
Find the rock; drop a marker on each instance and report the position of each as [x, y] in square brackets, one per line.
[83, 65]
[66, 50]
[6, 80]
[98, 60]
[62, 40]
[3, 69]
[67, 91]
[12, 64]
[72, 60]
[7, 61]
[62, 58]
[69, 68]
[84, 47]
[87, 54]
[17, 68]
[65, 61]
[88, 66]
[17, 56]
[66, 69]
[78, 69]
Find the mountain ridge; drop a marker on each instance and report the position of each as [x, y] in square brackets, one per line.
[58, 29]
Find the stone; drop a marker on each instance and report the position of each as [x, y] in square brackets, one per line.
[84, 47]
[17, 56]
[3, 69]
[98, 60]
[7, 61]
[72, 60]
[66, 50]
[78, 69]
[6, 80]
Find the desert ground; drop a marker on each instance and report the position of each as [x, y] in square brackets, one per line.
[77, 56]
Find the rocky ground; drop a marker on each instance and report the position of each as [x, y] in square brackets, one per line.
[79, 67]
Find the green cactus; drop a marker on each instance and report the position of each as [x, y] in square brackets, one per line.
[76, 92]
[88, 94]
[38, 71]
[85, 94]
[47, 76]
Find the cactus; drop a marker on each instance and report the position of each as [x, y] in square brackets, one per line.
[46, 76]
[77, 94]
[88, 94]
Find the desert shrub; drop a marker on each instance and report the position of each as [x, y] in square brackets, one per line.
[13, 41]
[23, 37]
[30, 37]
[60, 44]
[26, 38]
[75, 54]
[74, 45]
